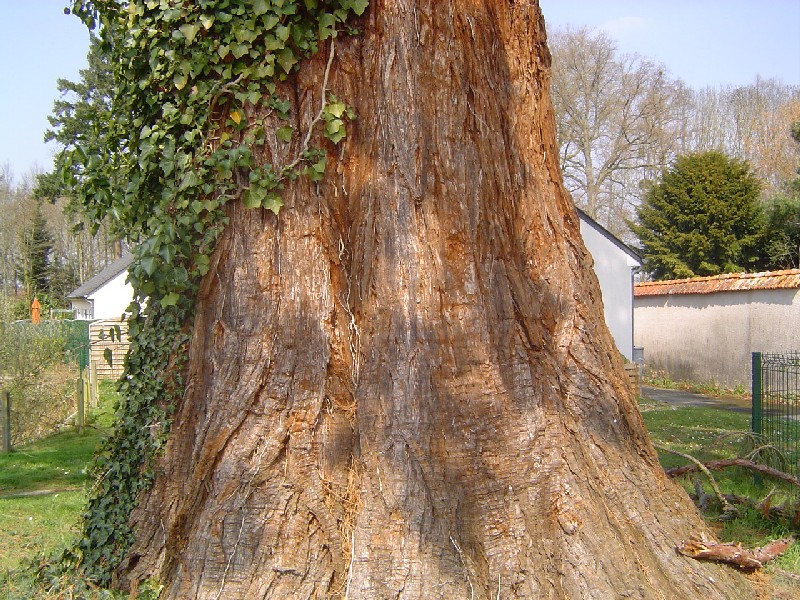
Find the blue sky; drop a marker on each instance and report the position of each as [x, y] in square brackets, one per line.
[703, 42]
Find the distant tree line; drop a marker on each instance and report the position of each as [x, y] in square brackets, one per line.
[627, 129]
[47, 250]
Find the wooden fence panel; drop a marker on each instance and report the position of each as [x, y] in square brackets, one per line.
[101, 341]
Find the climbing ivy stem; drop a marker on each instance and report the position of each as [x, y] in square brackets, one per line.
[324, 103]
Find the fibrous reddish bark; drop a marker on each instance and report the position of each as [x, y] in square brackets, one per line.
[402, 387]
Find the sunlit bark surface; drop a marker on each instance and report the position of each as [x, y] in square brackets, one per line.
[402, 387]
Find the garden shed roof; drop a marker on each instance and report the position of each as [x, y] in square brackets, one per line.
[729, 282]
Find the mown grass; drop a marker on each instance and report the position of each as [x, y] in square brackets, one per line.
[43, 487]
[661, 379]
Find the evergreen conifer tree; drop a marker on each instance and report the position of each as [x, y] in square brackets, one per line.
[702, 218]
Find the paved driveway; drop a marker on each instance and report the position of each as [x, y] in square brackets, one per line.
[681, 398]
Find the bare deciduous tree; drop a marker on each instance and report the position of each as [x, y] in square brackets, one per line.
[616, 116]
[622, 120]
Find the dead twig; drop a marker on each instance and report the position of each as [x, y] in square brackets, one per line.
[726, 507]
[788, 511]
[718, 465]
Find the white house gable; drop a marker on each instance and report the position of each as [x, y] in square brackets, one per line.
[106, 295]
[614, 265]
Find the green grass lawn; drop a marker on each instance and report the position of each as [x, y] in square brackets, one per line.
[705, 433]
[711, 434]
[42, 487]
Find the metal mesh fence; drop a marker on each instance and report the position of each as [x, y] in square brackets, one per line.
[776, 404]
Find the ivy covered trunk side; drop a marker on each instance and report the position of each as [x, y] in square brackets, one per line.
[402, 386]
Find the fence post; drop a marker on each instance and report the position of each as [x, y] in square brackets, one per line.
[80, 388]
[756, 392]
[95, 385]
[5, 419]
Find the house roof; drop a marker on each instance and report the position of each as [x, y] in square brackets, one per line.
[94, 283]
[609, 236]
[729, 282]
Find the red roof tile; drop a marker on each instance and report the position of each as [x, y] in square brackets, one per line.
[730, 282]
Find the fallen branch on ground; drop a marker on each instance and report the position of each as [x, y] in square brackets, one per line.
[789, 511]
[734, 554]
[699, 466]
[718, 465]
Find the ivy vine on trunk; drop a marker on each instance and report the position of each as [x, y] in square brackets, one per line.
[203, 115]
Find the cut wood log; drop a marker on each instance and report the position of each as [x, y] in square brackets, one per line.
[733, 553]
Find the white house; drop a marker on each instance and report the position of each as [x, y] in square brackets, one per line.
[705, 328]
[614, 264]
[106, 295]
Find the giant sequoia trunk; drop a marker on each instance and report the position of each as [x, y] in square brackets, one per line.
[402, 387]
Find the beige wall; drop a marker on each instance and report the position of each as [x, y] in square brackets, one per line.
[710, 337]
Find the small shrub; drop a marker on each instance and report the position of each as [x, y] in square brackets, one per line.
[34, 369]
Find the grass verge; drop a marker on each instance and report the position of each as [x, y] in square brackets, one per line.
[660, 379]
[42, 487]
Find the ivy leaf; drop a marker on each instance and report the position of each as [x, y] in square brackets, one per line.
[319, 166]
[148, 264]
[335, 130]
[253, 197]
[273, 202]
[207, 21]
[202, 263]
[316, 170]
[245, 33]
[287, 59]
[189, 31]
[327, 26]
[259, 7]
[167, 252]
[269, 22]
[283, 32]
[170, 299]
[359, 6]
[108, 356]
[180, 80]
[284, 133]
[281, 107]
[337, 109]
[272, 43]
[189, 180]
[239, 50]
